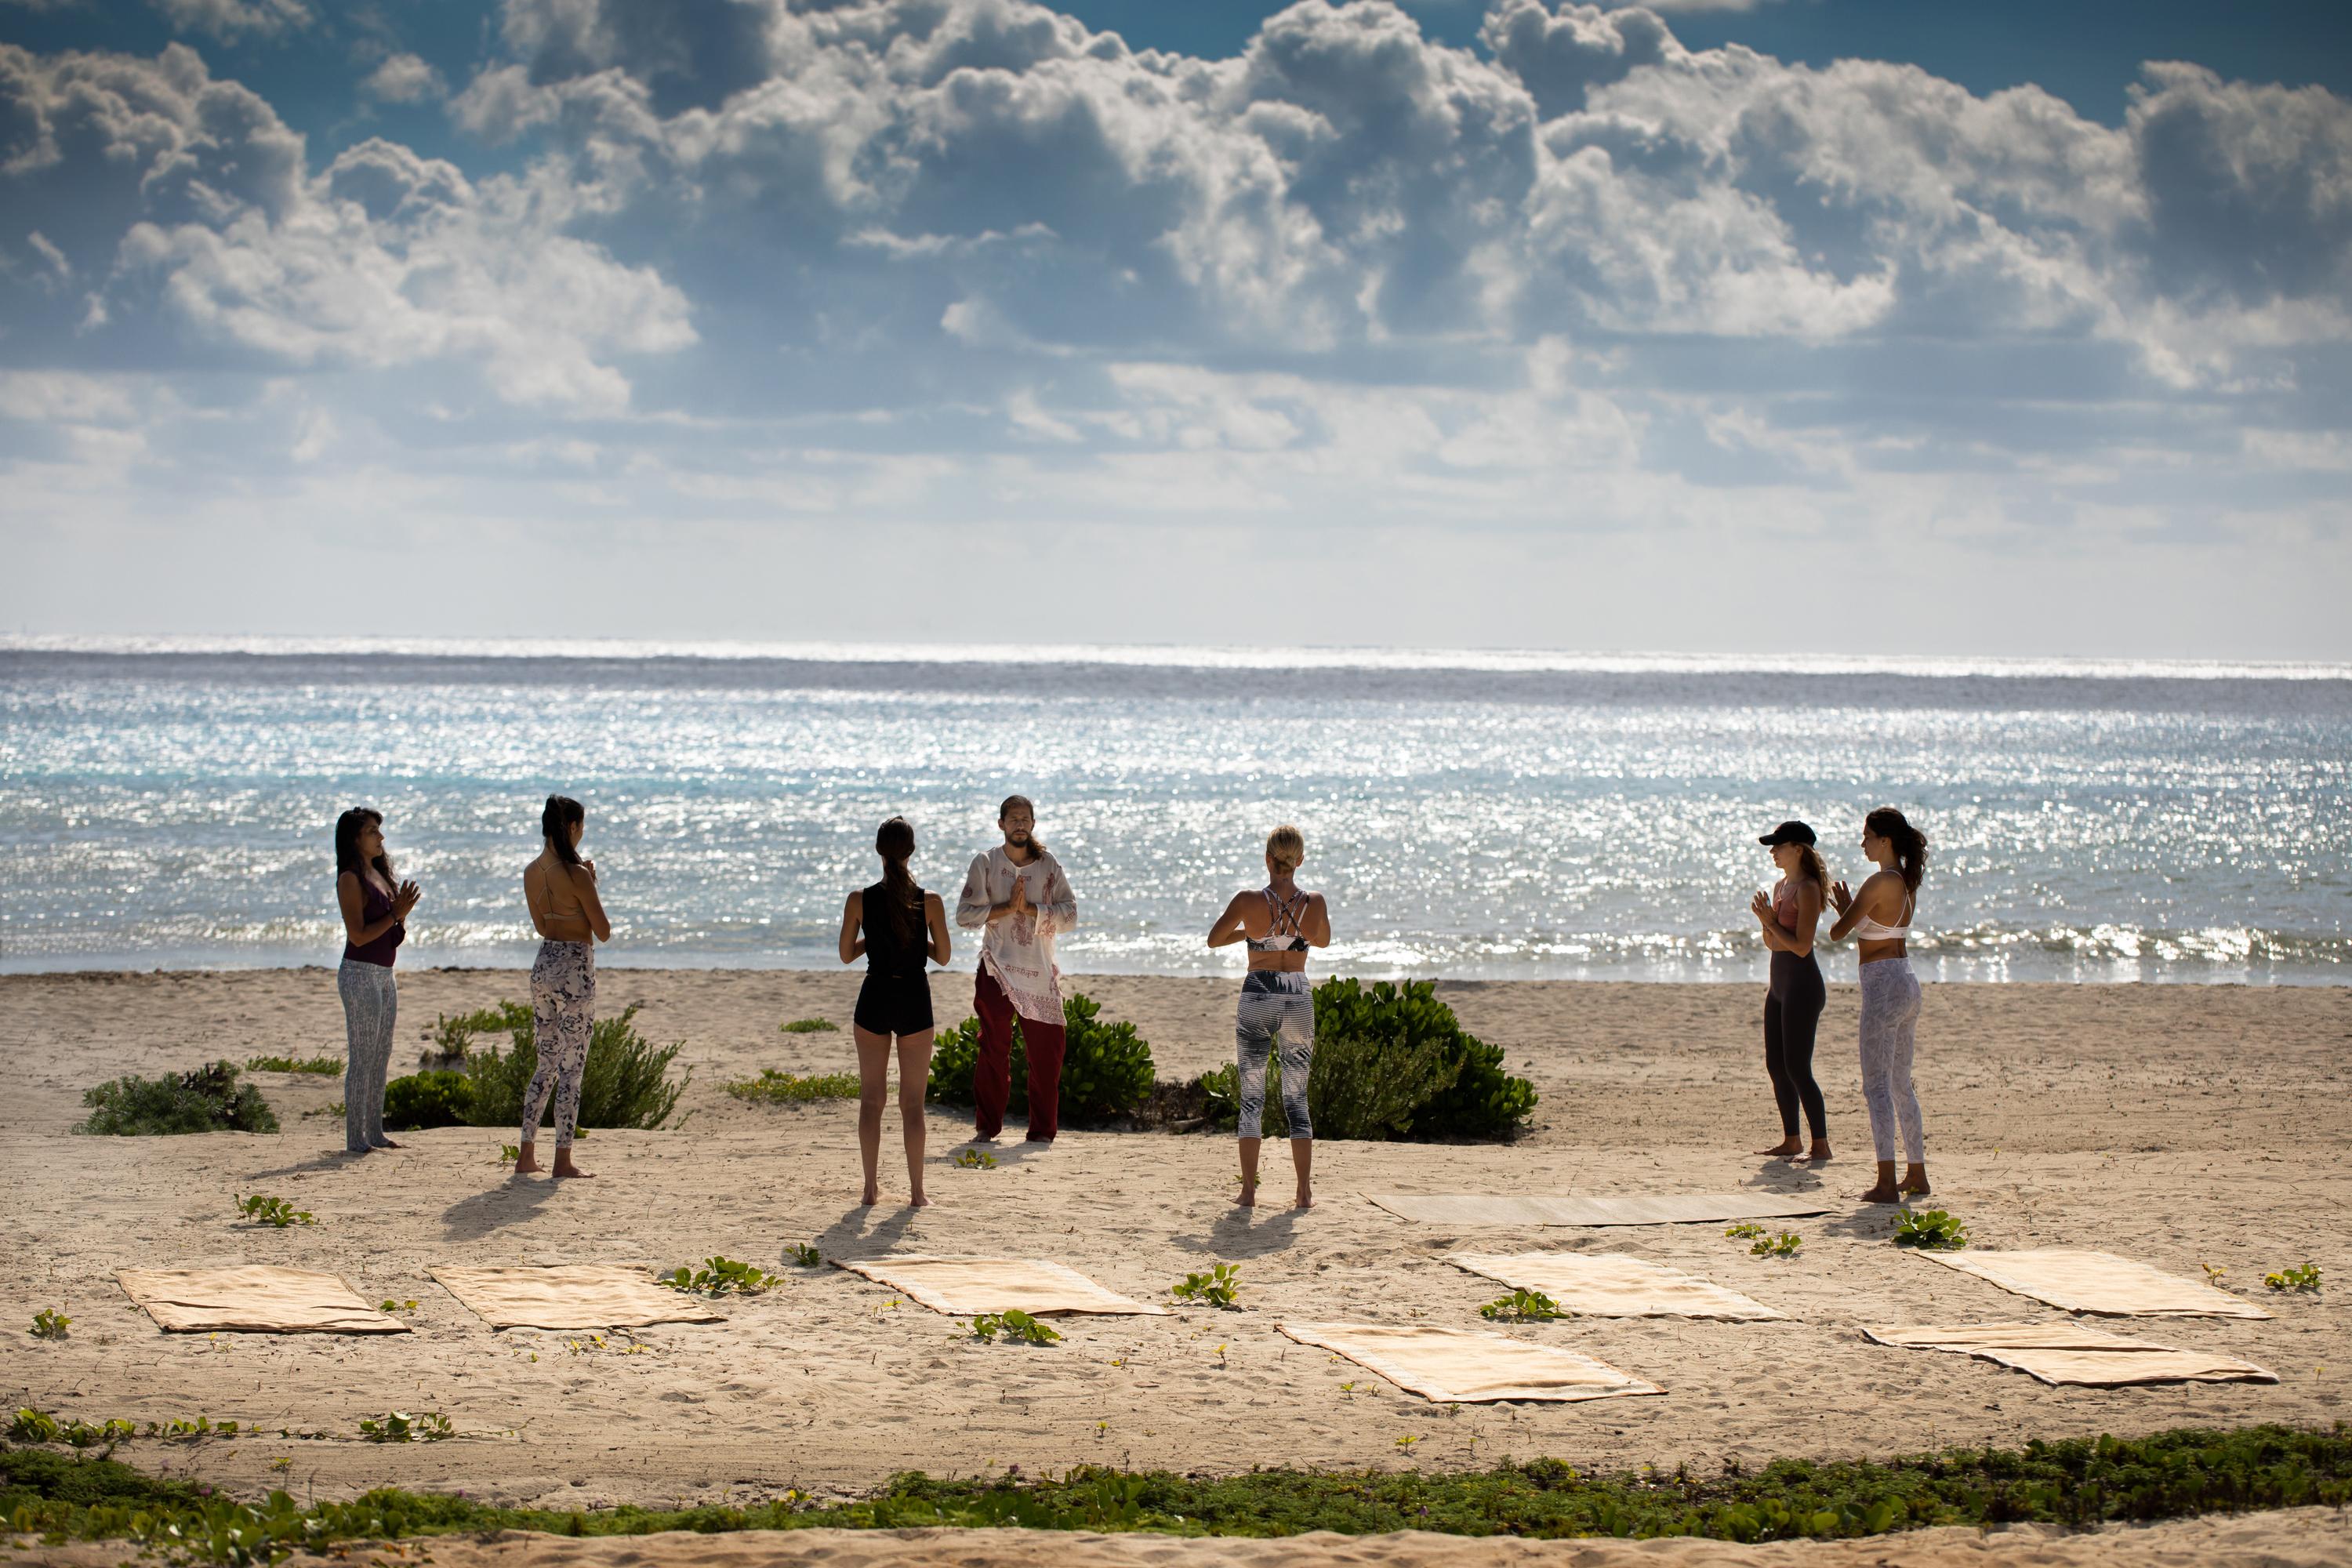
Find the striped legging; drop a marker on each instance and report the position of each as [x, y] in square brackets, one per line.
[371, 1006]
[1274, 1003]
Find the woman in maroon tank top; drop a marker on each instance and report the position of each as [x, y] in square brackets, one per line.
[375, 914]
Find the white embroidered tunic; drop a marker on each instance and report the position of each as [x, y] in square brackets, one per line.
[1019, 948]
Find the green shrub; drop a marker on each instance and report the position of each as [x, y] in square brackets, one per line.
[777, 1087]
[811, 1026]
[434, 1097]
[453, 1038]
[1390, 1062]
[626, 1083]
[208, 1099]
[325, 1067]
[1106, 1070]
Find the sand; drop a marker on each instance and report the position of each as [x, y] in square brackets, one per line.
[2178, 1125]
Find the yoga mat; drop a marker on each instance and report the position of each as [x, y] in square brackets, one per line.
[1642, 1208]
[1465, 1366]
[570, 1295]
[958, 1286]
[1612, 1285]
[2072, 1352]
[2101, 1282]
[256, 1299]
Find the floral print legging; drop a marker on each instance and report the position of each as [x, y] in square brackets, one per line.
[564, 1007]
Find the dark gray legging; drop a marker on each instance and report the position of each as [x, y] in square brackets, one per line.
[1792, 1010]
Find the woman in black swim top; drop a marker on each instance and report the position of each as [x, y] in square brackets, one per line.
[897, 926]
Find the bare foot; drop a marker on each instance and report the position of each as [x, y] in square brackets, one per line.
[564, 1167]
[387, 1143]
[1883, 1193]
[1820, 1154]
[1785, 1148]
[918, 1201]
[1916, 1189]
[1248, 1199]
[1305, 1201]
[873, 1195]
[526, 1164]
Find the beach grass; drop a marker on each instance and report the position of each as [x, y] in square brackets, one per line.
[325, 1067]
[777, 1087]
[2074, 1483]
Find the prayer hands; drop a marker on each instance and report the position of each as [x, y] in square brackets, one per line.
[1020, 903]
[1842, 897]
[405, 899]
[1760, 906]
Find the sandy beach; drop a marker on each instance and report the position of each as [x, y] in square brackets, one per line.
[2180, 1125]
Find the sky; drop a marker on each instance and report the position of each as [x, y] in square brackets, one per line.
[1775, 326]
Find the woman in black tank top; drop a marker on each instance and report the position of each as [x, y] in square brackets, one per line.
[897, 926]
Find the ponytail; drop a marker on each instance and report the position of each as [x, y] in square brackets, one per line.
[1811, 860]
[556, 822]
[1910, 844]
[903, 901]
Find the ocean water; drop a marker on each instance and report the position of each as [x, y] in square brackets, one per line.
[1483, 815]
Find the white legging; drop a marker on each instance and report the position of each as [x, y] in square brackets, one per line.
[1890, 1010]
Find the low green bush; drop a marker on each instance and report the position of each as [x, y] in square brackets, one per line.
[434, 1097]
[325, 1067]
[1390, 1061]
[208, 1099]
[1106, 1069]
[626, 1082]
[775, 1088]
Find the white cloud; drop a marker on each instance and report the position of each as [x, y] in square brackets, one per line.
[229, 20]
[403, 79]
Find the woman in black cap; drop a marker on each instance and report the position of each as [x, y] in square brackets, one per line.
[1792, 1007]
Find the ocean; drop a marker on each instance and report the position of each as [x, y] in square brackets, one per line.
[169, 804]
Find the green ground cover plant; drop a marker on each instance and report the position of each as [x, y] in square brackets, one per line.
[2303, 1279]
[1522, 1306]
[1931, 1230]
[208, 1099]
[406, 1426]
[1017, 1327]
[809, 1026]
[803, 1253]
[776, 1088]
[262, 1208]
[1391, 1061]
[2076, 1484]
[1106, 1071]
[1745, 1230]
[1785, 1245]
[975, 1159]
[626, 1082]
[1217, 1288]
[437, 1096]
[324, 1065]
[50, 1325]
[719, 1276]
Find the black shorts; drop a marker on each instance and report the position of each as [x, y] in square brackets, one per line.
[894, 1005]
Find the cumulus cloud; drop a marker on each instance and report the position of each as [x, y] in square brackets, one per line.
[230, 20]
[403, 79]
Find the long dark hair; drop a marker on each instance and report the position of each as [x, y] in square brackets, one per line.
[348, 828]
[555, 821]
[1910, 844]
[1036, 845]
[903, 903]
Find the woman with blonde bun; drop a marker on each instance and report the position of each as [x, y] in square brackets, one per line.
[1278, 922]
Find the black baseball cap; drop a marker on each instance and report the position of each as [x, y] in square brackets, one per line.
[1791, 832]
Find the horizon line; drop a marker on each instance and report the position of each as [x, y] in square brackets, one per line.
[1184, 656]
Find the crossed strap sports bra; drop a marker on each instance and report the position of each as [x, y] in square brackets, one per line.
[1282, 932]
[1869, 929]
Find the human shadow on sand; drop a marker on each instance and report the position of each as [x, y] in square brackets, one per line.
[865, 1232]
[1246, 1232]
[333, 1160]
[511, 1201]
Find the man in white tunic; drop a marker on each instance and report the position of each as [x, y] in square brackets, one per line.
[1017, 894]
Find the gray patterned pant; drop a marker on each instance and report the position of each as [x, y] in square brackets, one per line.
[1274, 1003]
[370, 1005]
[1890, 1010]
[563, 1008]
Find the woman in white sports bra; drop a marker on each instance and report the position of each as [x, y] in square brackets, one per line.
[1279, 923]
[1879, 915]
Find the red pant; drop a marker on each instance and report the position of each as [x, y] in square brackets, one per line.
[991, 1075]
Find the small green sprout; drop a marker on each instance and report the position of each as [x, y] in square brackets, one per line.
[49, 1325]
[1017, 1326]
[1746, 1230]
[509, 1153]
[975, 1160]
[1522, 1306]
[718, 1276]
[401, 1427]
[1784, 1245]
[1216, 1287]
[803, 1253]
[2303, 1279]
[391, 1306]
[1932, 1230]
[263, 1209]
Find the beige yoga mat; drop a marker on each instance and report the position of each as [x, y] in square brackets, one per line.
[2075, 1352]
[1613, 1285]
[257, 1298]
[963, 1285]
[1466, 1367]
[2101, 1282]
[570, 1295]
[1642, 1208]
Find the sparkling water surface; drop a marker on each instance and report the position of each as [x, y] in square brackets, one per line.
[1486, 816]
